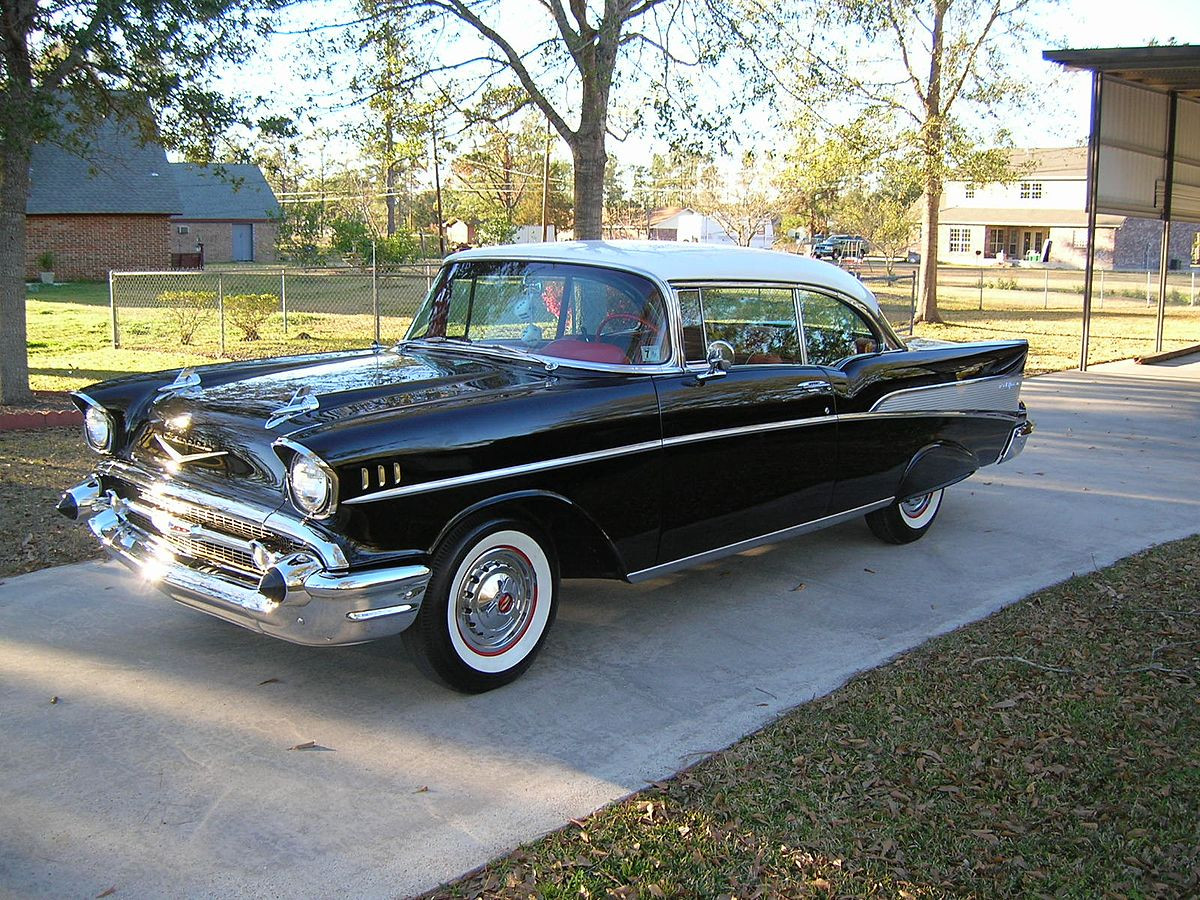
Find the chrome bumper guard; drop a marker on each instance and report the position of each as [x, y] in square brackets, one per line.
[311, 604]
[1016, 441]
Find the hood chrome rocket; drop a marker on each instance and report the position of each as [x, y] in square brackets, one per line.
[304, 400]
[187, 378]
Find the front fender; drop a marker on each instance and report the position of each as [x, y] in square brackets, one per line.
[585, 550]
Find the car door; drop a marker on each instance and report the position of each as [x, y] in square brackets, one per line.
[750, 451]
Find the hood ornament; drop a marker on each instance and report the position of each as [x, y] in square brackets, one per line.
[187, 378]
[304, 400]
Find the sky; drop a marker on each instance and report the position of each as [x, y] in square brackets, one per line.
[1062, 121]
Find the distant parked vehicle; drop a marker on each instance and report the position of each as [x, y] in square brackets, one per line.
[837, 246]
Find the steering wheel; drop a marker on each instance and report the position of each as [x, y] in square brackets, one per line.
[628, 317]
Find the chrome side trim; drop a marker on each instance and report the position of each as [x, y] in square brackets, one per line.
[747, 429]
[994, 392]
[751, 543]
[507, 472]
[980, 414]
[580, 458]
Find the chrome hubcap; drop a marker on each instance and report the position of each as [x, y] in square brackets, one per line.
[917, 505]
[495, 600]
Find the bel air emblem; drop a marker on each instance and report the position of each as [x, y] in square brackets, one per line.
[182, 459]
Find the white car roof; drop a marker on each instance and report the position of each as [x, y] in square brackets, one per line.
[677, 261]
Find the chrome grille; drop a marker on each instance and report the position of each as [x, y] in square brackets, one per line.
[215, 554]
[226, 524]
[223, 541]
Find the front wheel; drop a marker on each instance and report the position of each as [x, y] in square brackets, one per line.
[905, 520]
[490, 603]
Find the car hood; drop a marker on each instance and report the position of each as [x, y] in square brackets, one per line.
[230, 413]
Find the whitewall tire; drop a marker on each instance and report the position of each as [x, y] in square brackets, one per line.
[904, 521]
[489, 606]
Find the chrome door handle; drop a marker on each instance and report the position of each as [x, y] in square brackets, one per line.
[814, 387]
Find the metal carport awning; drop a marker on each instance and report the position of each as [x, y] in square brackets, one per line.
[1144, 146]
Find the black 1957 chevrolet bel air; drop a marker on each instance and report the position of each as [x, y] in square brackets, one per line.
[578, 410]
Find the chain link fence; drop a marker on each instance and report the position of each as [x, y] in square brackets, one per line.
[897, 296]
[248, 313]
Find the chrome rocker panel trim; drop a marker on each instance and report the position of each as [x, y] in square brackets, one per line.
[750, 543]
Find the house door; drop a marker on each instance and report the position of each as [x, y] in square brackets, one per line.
[243, 242]
[1032, 242]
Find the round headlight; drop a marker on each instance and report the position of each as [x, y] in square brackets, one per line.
[312, 488]
[97, 429]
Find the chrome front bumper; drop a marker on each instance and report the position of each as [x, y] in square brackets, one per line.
[311, 604]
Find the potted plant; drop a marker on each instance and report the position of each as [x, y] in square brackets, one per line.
[46, 264]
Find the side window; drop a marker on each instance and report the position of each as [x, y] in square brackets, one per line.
[694, 346]
[833, 330]
[758, 323]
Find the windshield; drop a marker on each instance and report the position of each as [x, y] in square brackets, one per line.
[557, 310]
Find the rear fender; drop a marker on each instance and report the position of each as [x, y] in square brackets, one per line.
[934, 467]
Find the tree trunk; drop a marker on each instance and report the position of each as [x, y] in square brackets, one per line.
[590, 161]
[927, 308]
[14, 194]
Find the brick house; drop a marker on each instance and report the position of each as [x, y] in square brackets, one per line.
[227, 207]
[104, 205]
[1008, 222]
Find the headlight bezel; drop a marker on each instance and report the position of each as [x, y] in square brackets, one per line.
[96, 415]
[318, 508]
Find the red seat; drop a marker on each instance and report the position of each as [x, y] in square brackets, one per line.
[586, 351]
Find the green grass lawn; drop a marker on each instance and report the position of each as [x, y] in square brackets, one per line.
[1052, 750]
[70, 326]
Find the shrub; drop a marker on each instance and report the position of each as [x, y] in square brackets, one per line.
[187, 310]
[248, 312]
[45, 261]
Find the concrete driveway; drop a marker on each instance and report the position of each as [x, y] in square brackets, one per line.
[164, 766]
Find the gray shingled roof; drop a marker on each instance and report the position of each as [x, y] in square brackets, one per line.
[109, 173]
[224, 191]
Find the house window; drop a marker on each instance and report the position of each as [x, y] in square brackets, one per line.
[970, 192]
[182, 229]
[960, 240]
[1031, 190]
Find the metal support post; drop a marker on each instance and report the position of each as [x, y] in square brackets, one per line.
[1102, 289]
[1093, 188]
[283, 297]
[375, 291]
[221, 308]
[1045, 288]
[1164, 260]
[112, 302]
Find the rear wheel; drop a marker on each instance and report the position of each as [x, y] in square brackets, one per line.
[489, 605]
[905, 520]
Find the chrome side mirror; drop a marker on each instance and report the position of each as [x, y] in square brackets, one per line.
[719, 359]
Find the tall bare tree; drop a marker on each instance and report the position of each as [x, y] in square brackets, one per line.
[568, 56]
[947, 67]
[68, 64]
